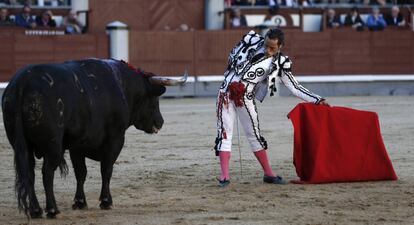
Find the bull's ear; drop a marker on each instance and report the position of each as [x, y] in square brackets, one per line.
[158, 90]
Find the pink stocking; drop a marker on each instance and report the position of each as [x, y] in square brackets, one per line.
[262, 157]
[224, 164]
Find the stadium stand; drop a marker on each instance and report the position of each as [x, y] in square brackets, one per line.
[204, 52]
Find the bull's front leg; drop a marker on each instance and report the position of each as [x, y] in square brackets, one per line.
[111, 153]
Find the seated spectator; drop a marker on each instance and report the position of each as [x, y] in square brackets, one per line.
[354, 20]
[237, 19]
[273, 3]
[288, 3]
[375, 21]
[332, 20]
[71, 24]
[4, 17]
[25, 19]
[395, 18]
[305, 3]
[46, 20]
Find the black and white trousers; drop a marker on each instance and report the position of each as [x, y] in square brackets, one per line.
[228, 112]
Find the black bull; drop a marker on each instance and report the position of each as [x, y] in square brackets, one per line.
[84, 106]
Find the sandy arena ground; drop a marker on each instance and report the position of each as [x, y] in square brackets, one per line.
[170, 178]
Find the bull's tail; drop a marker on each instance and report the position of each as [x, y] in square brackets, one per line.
[24, 178]
[23, 157]
[63, 167]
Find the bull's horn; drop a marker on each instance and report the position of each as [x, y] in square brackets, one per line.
[164, 81]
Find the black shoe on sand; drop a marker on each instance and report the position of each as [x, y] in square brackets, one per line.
[274, 180]
[224, 183]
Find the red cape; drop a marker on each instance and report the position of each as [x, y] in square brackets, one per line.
[338, 144]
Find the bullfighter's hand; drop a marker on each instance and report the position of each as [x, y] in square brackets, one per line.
[324, 102]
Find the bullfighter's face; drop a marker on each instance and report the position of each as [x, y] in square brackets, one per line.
[272, 46]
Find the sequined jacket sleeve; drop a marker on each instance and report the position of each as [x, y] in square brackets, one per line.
[244, 51]
[283, 72]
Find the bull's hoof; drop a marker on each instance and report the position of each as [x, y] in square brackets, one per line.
[36, 213]
[106, 204]
[79, 204]
[51, 213]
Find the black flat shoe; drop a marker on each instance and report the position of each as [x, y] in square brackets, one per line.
[274, 180]
[223, 183]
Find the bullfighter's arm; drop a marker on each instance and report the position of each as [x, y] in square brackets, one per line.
[286, 77]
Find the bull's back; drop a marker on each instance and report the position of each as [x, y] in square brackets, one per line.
[69, 101]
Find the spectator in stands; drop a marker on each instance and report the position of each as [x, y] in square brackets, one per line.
[354, 20]
[376, 21]
[273, 3]
[332, 20]
[395, 18]
[288, 3]
[237, 19]
[4, 17]
[71, 24]
[25, 19]
[46, 20]
[305, 3]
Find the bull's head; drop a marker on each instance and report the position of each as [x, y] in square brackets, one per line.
[148, 117]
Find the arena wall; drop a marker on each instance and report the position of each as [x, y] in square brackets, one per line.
[18, 49]
[332, 52]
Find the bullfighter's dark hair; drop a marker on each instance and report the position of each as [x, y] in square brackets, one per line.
[275, 33]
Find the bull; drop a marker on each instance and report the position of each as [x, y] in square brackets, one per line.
[82, 106]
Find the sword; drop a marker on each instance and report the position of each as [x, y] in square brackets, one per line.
[238, 145]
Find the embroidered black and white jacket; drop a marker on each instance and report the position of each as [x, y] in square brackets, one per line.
[261, 74]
